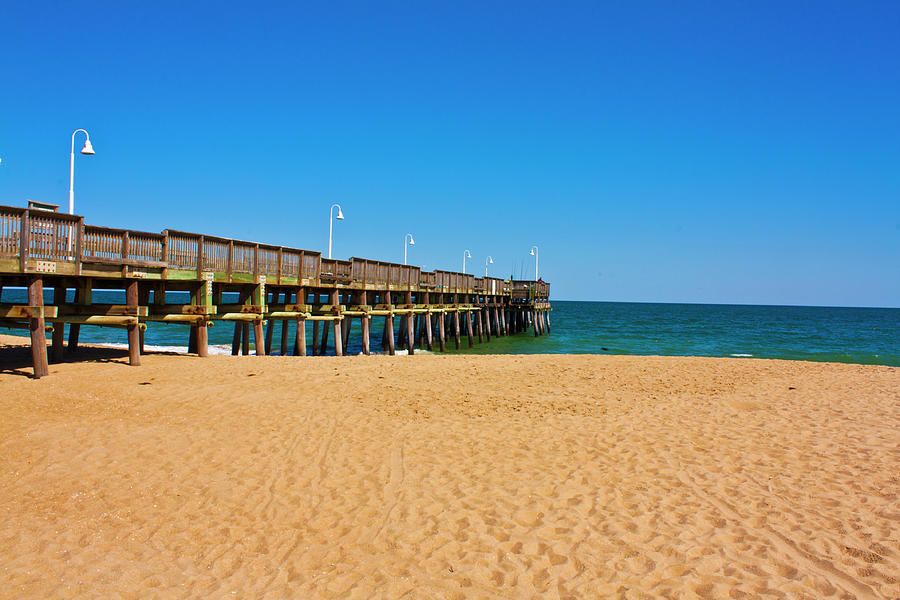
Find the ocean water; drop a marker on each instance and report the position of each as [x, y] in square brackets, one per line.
[850, 335]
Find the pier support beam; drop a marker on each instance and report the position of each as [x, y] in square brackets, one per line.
[365, 321]
[300, 337]
[134, 340]
[468, 317]
[300, 342]
[315, 340]
[284, 328]
[456, 322]
[478, 325]
[410, 331]
[323, 346]
[389, 333]
[36, 327]
[336, 301]
[59, 330]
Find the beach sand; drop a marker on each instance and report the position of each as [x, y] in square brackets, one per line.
[448, 477]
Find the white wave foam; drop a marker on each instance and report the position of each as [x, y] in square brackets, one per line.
[742, 355]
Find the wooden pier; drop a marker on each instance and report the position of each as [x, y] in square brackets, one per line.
[43, 249]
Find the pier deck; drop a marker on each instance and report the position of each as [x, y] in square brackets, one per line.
[43, 249]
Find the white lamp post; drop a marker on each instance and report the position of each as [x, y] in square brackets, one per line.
[331, 218]
[488, 261]
[88, 150]
[407, 242]
[466, 255]
[534, 253]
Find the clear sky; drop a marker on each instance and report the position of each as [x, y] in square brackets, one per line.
[737, 152]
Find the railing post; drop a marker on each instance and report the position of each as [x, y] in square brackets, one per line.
[228, 267]
[79, 246]
[200, 258]
[24, 240]
[165, 255]
[126, 245]
[256, 261]
[280, 259]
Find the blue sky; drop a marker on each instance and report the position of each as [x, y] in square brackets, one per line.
[737, 152]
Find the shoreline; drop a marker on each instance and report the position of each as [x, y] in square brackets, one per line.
[8, 340]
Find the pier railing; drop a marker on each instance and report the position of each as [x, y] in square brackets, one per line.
[39, 235]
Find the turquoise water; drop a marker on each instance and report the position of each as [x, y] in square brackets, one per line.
[852, 335]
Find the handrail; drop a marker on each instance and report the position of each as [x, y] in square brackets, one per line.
[33, 234]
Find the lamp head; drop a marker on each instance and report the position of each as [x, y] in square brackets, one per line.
[490, 260]
[532, 252]
[412, 242]
[88, 149]
[468, 254]
[340, 215]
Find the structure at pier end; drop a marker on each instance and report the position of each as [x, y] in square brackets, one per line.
[263, 285]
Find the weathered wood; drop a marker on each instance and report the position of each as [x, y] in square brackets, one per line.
[258, 338]
[410, 332]
[300, 343]
[270, 326]
[192, 340]
[59, 332]
[429, 332]
[503, 330]
[534, 324]
[479, 325]
[111, 310]
[365, 322]
[36, 326]
[143, 300]
[486, 316]
[245, 338]
[284, 337]
[389, 328]
[345, 331]
[134, 340]
[28, 312]
[236, 338]
[315, 340]
[324, 344]
[336, 301]
[441, 337]
[202, 339]
[456, 328]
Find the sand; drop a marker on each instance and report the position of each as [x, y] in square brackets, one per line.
[449, 477]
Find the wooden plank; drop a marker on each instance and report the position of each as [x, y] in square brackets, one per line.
[186, 309]
[113, 310]
[14, 311]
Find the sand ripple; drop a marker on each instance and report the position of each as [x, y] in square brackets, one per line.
[451, 477]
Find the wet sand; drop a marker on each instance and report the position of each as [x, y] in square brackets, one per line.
[448, 477]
